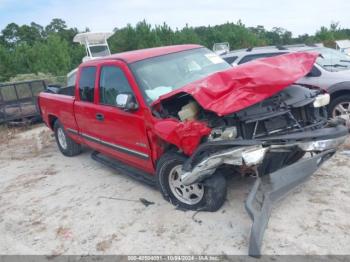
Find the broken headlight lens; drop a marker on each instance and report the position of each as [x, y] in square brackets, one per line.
[321, 100]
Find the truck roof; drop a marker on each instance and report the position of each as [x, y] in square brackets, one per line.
[137, 55]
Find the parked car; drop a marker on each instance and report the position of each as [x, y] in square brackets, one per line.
[331, 71]
[181, 118]
[343, 46]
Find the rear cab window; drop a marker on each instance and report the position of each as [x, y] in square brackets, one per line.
[87, 83]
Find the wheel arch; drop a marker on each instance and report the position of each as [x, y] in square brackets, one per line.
[166, 148]
[51, 121]
[339, 89]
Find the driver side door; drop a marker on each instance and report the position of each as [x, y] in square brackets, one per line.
[122, 132]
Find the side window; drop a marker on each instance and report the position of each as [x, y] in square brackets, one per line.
[87, 83]
[249, 58]
[314, 72]
[230, 59]
[112, 83]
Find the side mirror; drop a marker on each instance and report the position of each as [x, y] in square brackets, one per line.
[126, 102]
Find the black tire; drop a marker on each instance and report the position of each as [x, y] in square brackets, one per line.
[214, 187]
[336, 101]
[72, 148]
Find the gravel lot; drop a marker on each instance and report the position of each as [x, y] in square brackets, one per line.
[51, 204]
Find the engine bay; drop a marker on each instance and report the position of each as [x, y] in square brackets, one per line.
[293, 109]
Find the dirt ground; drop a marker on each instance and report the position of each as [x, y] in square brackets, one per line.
[51, 204]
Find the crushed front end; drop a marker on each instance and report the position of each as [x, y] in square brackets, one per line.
[255, 121]
[281, 141]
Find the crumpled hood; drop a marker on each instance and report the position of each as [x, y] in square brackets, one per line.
[234, 89]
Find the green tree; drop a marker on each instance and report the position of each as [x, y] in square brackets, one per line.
[52, 56]
[56, 26]
[50, 49]
[6, 68]
[10, 34]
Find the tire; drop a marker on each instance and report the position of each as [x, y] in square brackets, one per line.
[338, 101]
[211, 193]
[69, 147]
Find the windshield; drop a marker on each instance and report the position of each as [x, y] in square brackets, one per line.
[333, 60]
[160, 75]
[99, 50]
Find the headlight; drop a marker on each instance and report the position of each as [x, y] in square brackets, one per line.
[229, 133]
[321, 100]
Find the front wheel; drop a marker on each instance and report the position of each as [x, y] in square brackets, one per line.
[66, 145]
[208, 195]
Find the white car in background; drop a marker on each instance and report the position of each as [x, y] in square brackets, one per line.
[330, 72]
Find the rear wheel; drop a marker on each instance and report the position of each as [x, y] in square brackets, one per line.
[208, 195]
[66, 145]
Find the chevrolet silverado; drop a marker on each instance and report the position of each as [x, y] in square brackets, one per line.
[183, 119]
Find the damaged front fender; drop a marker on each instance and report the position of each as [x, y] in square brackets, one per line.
[185, 135]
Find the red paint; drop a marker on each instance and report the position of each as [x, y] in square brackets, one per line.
[141, 132]
[126, 129]
[137, 55]
[240, 87]
[185, 135]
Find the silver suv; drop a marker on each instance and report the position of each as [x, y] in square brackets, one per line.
[330, 72]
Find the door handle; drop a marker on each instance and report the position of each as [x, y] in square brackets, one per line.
[100, 117]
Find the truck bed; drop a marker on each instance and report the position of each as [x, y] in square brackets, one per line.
[59, 106]
[69, 90]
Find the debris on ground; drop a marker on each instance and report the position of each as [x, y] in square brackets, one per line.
[142, 200]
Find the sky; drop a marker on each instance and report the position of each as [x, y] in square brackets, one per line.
[298, 16]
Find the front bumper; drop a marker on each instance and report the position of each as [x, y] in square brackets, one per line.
[321, 145]
[253, 153]
[270, 188]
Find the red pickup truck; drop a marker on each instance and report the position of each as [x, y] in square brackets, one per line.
[181, 118]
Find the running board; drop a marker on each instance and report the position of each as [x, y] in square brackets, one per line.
[268, 189]
[135, 173]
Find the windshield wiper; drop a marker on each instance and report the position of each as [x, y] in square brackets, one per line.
[336, 65]
[345, 61]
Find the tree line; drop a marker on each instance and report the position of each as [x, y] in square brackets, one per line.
[28, 49]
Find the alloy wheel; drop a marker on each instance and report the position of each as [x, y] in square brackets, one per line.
[191, 194]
